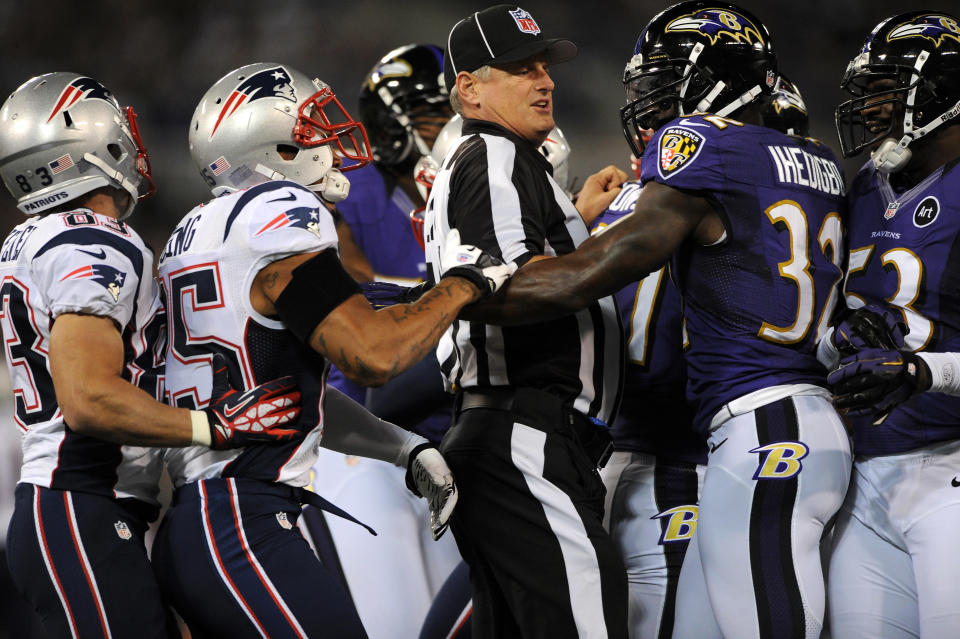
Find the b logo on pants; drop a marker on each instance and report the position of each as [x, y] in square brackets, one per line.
[681, 523]
[780, 460]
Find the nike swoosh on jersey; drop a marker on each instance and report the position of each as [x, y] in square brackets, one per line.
[100, 255]
[714, 448]
[290, 197]
[955, 483]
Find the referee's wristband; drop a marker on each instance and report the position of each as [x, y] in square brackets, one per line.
[201, 428]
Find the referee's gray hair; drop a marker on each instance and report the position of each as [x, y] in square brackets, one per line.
[483, 73]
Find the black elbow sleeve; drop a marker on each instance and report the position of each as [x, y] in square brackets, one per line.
[316, 288]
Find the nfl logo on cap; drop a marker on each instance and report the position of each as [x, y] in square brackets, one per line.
[525, 21]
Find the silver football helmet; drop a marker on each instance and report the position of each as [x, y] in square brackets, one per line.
[63, 135]
[267, 121]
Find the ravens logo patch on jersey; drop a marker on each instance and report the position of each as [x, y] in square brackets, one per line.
[679, 146]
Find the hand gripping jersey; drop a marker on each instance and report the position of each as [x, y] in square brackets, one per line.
[756, 301]
[905, 251]
[206, 271]
[654, 414]
[79, 262]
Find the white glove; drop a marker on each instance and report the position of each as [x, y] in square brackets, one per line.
[483, 270]
[429, 476]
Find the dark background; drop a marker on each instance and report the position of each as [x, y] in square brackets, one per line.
[162, 56]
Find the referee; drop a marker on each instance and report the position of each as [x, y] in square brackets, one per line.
[533, 401]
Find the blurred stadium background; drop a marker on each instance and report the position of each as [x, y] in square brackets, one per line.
[162, 56]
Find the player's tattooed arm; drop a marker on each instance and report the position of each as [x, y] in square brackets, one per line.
[372, 351]
[546, 288]
[369, 346]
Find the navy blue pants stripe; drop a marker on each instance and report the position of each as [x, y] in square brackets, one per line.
[65, 566]
[450, 612]
[80, 560]
[779, 604]
[238, 563]
[674, 484]
[233, 562]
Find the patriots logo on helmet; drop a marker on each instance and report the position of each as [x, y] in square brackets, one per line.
[716, 23]
[106, 276]
[82, 89]
[933, 27]
[269, 83]
[303, 217]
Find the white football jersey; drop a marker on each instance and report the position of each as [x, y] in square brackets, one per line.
[79, 262]
[206, 272]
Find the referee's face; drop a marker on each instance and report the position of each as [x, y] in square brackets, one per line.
[519, 97]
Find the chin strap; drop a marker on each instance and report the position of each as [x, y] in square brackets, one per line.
[892, 155]
[332, 187]
[118, 177]
[745, 98]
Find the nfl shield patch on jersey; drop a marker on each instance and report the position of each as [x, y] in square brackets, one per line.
[679, 147]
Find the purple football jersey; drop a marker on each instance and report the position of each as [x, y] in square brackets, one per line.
[905, 251]
[378, 215]
[654, 414]
[756, 301]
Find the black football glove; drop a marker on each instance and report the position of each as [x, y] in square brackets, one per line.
[875, 381]
[266, 413]
[481, 269]
[870, 326]
[429, 476]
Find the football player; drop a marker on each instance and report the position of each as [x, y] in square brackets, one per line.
[752, 219]
[392, 577]
[893, 567]
[654, 475]
[84, 334]
[254, 277]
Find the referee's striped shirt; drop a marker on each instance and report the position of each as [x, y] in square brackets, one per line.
[498, 191]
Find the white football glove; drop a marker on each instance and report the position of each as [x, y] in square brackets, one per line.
[483, 270]
[429, 476]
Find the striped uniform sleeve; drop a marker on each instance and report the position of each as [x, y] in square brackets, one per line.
[493, 202]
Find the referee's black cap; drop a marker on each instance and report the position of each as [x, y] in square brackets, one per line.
[498, 35]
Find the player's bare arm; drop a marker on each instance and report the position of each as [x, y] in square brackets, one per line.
[370, 346]
[87, 362]
[547, 288]
[356, 263]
